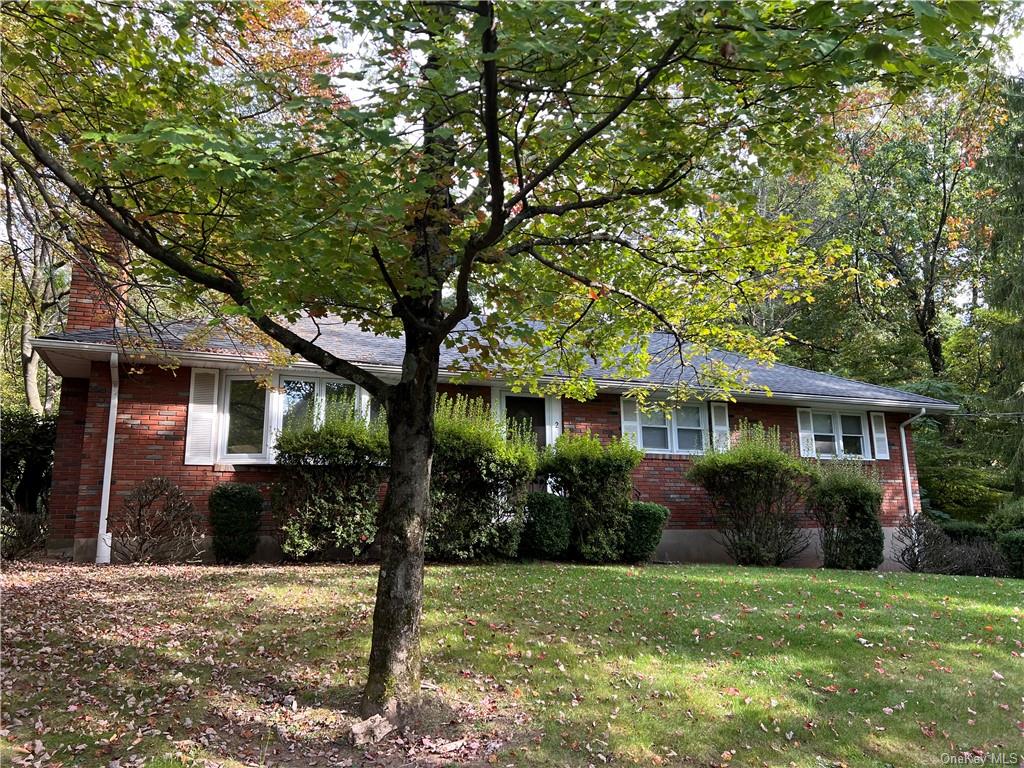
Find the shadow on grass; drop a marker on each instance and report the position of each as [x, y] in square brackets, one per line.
[641, 665]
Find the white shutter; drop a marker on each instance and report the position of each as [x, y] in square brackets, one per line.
[630, 424]
[552, 418]
[881, 439]
[806, 425]
[202, 418]
[721, 435]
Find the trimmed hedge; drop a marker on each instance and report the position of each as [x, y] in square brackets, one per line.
[597, 481]
[548, 526]
[1011, 544]
[646, 521]
[965, 531]
[481, 471]
[235, 510]
[326, 500]
[847, 504]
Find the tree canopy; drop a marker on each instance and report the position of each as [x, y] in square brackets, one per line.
[433, 168]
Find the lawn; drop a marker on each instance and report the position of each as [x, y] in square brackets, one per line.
[524, 665]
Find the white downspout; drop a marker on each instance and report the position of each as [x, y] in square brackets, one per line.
[102, 536]
[908, 484]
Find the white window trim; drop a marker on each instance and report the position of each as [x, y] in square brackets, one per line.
[273, 413]
[673, 434]
[867, 436]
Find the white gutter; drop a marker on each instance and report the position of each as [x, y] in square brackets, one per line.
[102, 535]
[908, 485]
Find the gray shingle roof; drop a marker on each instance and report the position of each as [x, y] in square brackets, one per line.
[361, 347]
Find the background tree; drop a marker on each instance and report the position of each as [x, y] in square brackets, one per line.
[1005, 288]
[585, 165]
[34, 287]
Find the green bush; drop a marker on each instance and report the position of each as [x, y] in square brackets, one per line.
[962, 492]
[235, 510]
[481, 472]
[26, 462]
[847, 504]
[1011, 544]
[756, 490]
[646, 521]
[1009, 517]
[548, 526]
[964, 531]
[327, 498]
[597, 481]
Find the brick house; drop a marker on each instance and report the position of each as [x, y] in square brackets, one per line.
[125, 416]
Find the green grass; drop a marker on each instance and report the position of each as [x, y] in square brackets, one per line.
[534, 665]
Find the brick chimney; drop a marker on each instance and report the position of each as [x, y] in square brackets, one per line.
[97, 278]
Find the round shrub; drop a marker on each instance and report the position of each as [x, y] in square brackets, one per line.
[847, 504]
[235, 510]
[597, 481]
[646, 521]
[1011, 543]
[548, 526]
[156, 523]
[756, 490]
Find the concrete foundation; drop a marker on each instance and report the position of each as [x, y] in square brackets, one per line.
[703, 545]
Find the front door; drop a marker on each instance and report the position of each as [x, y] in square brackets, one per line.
[529, 412]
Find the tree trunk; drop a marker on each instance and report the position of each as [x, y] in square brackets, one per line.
[30, 368]
[393, 685]
[927, 319]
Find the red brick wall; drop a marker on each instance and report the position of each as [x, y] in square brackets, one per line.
[92, 295]
[662, 478]
[67, 459]
[150, 441]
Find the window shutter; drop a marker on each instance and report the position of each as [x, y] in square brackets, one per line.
[552, 418]
[630, 425]
[806, 425]
[881, 439]
[720, 434]
[202, 418]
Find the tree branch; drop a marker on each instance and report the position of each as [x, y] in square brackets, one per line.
[145, 239]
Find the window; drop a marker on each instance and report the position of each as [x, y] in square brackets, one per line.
[654, 431]
[852, 435]
[299, 401]
[249, 416]
[831, 434]
[339, 395]
[246, 414]
[689, 429]
[824, 434]
[683, 429]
